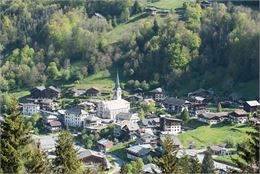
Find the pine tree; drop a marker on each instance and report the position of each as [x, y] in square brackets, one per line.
[14, 139]
[155, 26]
[195, 166]
[219, 108]
[207, 163]
[185, 116]
[66, 160]
[168, 161]
[37, 161]
[136, 8]
[249, 153]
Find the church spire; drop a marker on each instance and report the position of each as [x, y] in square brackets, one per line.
[117, 89]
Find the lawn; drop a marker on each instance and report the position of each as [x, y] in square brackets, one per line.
[168, 4]
[205, 136]
[120, 150]
[227, 159]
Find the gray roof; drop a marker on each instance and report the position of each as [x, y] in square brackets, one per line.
[41, 88]
[104, 141]
[212, 115]
[157, 90]
[139, 149]
[174, 101]
[126, 116]
[55, 89]
[175, 140]
[151, 168]
[76, 111]
[150, 121]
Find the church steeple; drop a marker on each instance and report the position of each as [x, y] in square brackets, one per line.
[117, 90]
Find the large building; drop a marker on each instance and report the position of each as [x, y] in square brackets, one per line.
[30, 108]
[75, 117]
[109, 109]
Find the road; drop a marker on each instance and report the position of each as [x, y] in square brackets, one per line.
[118, 163]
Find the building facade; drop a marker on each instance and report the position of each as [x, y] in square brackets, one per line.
[30, 108]
[75, 117]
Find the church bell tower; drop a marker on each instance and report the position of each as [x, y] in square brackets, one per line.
[117, 90]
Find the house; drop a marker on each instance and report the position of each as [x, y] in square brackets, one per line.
[212, 117]
[151, 168]
[48, 105]
[93, 92]
[126, 129]
[134, 98]
[156, 94]
[150, 11]
[42, 92]
[93, 158]
[104, 145]
[252, 106]
[175, 105]
[146, 138]
[201, 93]
[73, 92]
[75, 117]
[38, 92]
[49, 118]
[131, 117]
[87, 105]
[138, 151]
[109, 109]
[153, 123]
[92, 121]
[218, 150]
[176, 141]
[30, 108]
[238, 116]
[54, 126]
[169, 124]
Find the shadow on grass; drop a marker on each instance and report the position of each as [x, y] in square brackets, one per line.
[222, 124]
[194, 124]
[141, 16]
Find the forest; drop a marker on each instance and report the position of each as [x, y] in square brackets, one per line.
[57, 41]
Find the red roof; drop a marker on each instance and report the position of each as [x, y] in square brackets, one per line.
[55, 123]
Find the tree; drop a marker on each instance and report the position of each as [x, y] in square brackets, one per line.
[155, 26]
[248, 153]
[141, 114]
[195, 165]
[136, 8]
[137, 166]
[125, 15]
[66, 160]
[168, 162]
[219, 108]
[53, 70]
[208, 164]
[14, 140]
[37, 161]
[185, 116]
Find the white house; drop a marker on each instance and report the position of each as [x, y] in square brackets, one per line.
[109, 109]
[75, 117]
[170, 125]
[30, 108]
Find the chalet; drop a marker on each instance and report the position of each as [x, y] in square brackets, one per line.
[87, 105]
[49, 118]
[92, 121]
[175, 105]
[176, 141]
[48, 105]
[156, 94]
[93, 159]
[218, 150]
[238, 116]
[131, 117]
[72, 92]
[75, 117]
[201, 93]
[134, 98]
[42, 92]
[150, 11]
[54, 126]
[38, 92]
[151, 168]
[212, 117]
[126, 129]
[104, 145]
[146, 138]
[138, 151]
[252, 106]
[30, 108]
[153, 123]
[93, 92]
[170, 125]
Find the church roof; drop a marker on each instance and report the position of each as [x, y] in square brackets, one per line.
[117, 82]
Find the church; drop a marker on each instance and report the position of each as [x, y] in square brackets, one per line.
[109, 109]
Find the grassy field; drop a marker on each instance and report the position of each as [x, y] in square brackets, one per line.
[20, 93]
[120, 150]
[204, 136]
[169, 4]
[227, 159]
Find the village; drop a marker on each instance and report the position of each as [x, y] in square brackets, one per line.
[110, 132]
